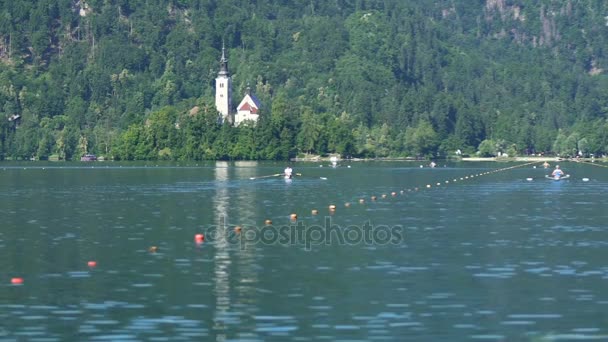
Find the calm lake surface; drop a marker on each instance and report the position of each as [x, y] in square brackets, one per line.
[494, 257]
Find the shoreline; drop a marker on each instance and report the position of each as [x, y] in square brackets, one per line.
[533, 159]
[463, 159]
[335, 158]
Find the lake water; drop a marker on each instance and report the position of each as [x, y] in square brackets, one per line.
[492, 257]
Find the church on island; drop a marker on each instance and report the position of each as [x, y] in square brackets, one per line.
[248, 108]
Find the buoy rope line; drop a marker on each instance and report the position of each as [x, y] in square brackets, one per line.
[293, 217]
[590, 163]
[362, 200]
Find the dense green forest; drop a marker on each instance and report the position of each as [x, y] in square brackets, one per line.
[362, 78]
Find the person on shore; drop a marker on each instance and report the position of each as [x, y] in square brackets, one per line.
[288, 172]
[557, 172]
[432, 164]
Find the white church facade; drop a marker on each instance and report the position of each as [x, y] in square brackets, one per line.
[248, 108]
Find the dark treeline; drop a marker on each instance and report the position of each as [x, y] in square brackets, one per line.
[134, 79]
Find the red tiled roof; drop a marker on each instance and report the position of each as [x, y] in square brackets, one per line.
[248, 107]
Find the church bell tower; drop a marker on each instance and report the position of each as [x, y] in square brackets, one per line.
[223, 90]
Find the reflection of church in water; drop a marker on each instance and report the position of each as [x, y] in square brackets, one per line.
[235, 274]
[248, 109]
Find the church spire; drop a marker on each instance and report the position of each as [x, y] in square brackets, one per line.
[223, 63]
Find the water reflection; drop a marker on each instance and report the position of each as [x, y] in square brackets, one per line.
[222, 252]
[245, 200]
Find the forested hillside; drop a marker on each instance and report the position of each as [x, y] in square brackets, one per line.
[367, 78]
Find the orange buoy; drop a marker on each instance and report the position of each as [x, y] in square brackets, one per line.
[199, 238]
[17, 281]
[268, 222]
[237, 229]
[293, 217]
[152, 249]
[92, 263]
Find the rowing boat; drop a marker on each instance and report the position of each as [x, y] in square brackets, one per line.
[557, 177]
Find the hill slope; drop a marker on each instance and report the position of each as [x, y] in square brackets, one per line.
[360, 77]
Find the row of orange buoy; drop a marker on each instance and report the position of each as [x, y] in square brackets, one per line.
[20, 280]
[332, 207]
[293, 217]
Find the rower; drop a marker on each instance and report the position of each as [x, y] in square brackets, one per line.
[557, 172]
[288, 172]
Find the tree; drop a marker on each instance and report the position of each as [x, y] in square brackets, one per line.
[244, 147]
[421, 140]
[133, 144]
[583, 147]
[487, 148]
[161, 127]
[560, 145]
[309, 133]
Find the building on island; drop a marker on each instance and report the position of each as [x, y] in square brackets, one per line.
[248, 108]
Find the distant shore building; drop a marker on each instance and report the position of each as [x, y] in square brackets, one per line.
[248, 108]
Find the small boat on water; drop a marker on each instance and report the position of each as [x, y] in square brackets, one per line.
[88, 157]
[557, 177]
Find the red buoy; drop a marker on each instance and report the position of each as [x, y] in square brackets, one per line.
[92, 263]
[199, 238]
[17, 281]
